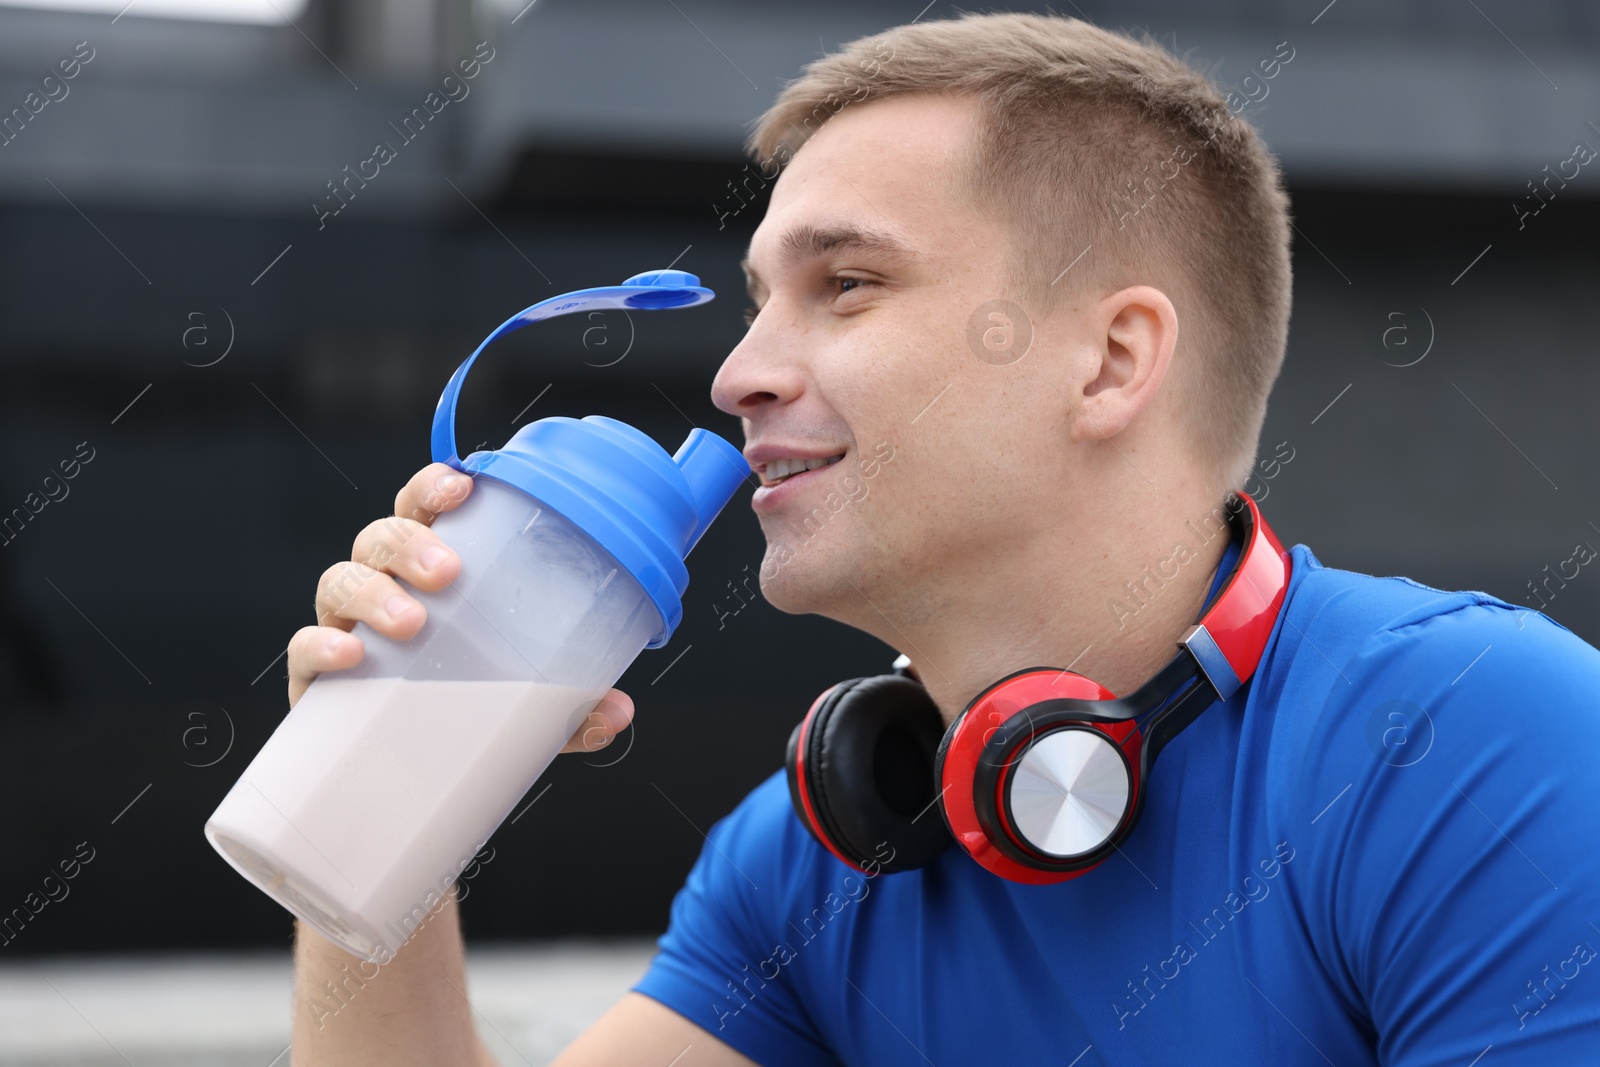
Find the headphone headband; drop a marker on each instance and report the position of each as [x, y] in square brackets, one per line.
[1230, 637]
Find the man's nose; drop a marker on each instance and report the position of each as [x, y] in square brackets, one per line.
[757, 373]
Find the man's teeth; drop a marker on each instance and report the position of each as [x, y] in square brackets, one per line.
[779, 469]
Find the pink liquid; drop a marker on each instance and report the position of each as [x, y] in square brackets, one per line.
[374, 792]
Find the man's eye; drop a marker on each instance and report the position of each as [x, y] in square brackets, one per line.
[836, 284]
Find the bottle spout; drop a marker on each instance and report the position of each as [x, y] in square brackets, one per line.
[714, 470]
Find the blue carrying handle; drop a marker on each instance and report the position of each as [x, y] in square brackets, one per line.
[648, 291]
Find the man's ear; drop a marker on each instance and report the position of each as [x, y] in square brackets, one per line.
[1130, 338]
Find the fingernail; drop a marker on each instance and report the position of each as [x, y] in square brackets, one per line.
[434, 555]
[397, 605]
[449, 483]
[336, 643]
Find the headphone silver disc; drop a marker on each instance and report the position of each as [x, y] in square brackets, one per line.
[1069, 792]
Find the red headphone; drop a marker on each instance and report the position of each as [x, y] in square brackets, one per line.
[1043, 775]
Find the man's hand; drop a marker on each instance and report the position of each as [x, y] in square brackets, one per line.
[363, 589]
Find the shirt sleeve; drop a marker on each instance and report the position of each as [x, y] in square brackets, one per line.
[1458, 886]
[711, 966]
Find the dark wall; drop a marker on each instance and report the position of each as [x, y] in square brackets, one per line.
[143, 612]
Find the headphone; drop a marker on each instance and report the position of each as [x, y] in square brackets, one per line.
[1043, 775]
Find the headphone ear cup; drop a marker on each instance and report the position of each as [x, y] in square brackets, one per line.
[791, 769]
[868, 766]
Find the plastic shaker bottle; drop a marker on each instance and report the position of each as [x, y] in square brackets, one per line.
[384, 781]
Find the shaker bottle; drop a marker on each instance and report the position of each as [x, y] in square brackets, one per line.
[385, 780]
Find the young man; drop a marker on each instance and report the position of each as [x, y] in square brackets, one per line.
[1028, 282]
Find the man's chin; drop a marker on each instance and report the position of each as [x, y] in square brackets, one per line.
[790, 582]
[786, 591]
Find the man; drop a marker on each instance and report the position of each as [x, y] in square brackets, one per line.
[1044, 270]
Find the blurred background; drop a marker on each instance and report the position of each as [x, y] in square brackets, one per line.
[241, 347]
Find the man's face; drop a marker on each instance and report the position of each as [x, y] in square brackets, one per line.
[870, 271]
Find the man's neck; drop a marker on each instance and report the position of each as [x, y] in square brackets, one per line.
[1117, 623]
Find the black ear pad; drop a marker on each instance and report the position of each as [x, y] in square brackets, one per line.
[869, 772]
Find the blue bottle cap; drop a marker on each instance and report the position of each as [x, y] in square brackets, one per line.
[644, 507]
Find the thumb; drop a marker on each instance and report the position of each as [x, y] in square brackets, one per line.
[608, 719]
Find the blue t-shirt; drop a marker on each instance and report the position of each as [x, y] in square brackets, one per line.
[1384, 850]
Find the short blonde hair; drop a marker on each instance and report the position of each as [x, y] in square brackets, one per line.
[1093, 140]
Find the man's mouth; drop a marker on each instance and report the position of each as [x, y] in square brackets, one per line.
[778, 470]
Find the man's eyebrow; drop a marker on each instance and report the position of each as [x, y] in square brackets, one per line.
[806, 242]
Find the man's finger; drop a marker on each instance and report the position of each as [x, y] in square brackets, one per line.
[314, 650]
[352, 592]
[608, 719]
[407, 549]
[434, 489]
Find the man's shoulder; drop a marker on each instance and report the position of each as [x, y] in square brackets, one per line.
[1337, 599]
[764, 819]
[1348, 619]
[1429, 755]
[1368, 672]
[763, 842]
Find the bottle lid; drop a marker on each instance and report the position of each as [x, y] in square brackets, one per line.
[645, 507]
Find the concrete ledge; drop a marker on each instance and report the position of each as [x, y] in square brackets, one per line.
[232, 1009]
